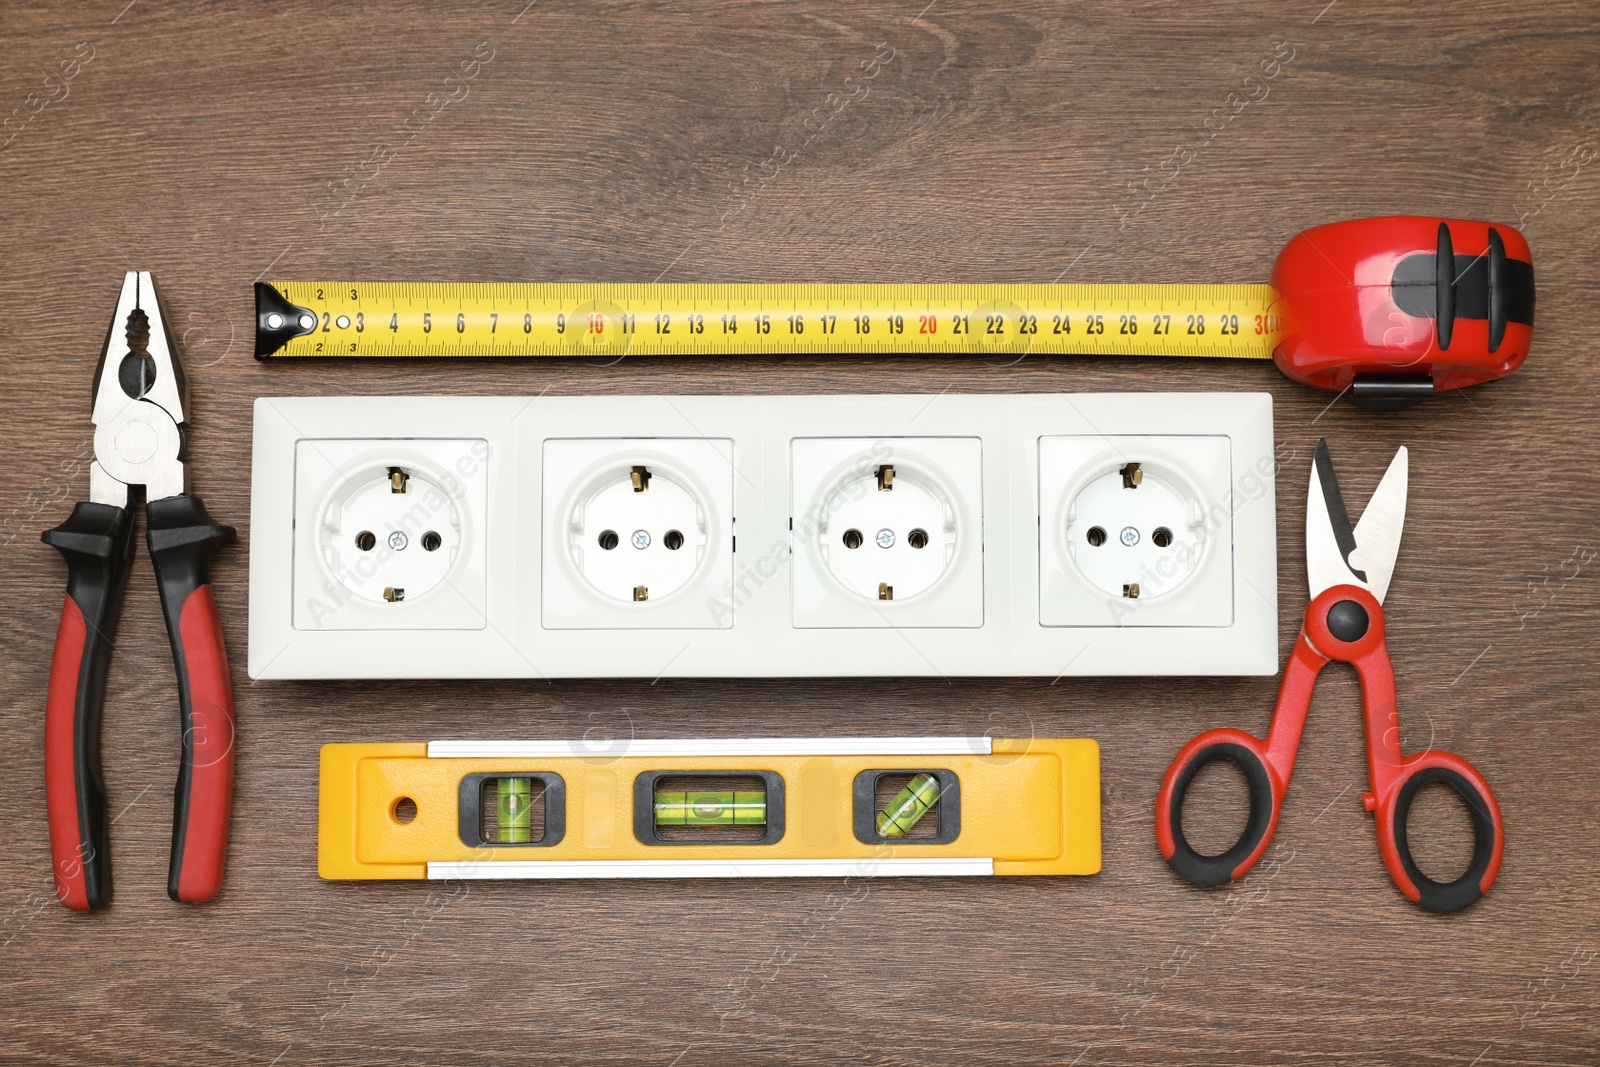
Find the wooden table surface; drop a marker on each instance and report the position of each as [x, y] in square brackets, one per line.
[217, 143]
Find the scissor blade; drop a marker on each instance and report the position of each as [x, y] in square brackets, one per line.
[1378, 532]
[1329, 539]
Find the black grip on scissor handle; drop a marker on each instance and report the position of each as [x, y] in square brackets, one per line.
[1393, 810]
[97, 543]
[1266, 800]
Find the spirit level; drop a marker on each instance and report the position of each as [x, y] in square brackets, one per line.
[737, 808]
[1390, 308]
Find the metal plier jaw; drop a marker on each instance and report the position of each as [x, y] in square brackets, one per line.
[140, 397]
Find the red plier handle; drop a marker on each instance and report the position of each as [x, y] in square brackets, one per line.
[1344, 623]
[97, 541]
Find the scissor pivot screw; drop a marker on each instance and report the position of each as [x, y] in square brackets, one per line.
[1348, 620]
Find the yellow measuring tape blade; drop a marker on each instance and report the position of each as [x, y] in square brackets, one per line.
[610, 321]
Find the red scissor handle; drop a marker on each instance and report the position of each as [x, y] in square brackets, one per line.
[1396, 778]
[1343, 623]
[1267, 766]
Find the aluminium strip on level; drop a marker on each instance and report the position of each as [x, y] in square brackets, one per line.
[721, 746]
[889, 867]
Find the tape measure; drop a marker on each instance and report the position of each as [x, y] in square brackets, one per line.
[1391, 309]
[609, 321]
[724, 808]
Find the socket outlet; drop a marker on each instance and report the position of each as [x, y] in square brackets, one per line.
[639, 533]
[887, 531]
[1135, 531]
[397, 538]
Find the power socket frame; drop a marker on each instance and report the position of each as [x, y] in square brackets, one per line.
[754, 631]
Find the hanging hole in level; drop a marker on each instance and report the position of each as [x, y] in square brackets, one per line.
[366, 540]
[431, 541]
[852, 538]
[405, 809]
[673, 540]
[1097, 536]
[917, 538]
[608, 539]
[1162, 537]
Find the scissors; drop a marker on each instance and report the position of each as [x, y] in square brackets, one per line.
[1348, 572]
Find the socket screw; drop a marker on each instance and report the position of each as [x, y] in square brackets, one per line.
[1129, 535]
[398, 540]
[641, 539]
[885, 538]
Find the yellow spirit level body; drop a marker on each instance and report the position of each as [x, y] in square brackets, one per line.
[355, 319]
[1006, 807]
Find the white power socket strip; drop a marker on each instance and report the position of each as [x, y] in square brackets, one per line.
[763, 536]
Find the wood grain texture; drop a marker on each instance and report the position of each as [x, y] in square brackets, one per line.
[626, 142]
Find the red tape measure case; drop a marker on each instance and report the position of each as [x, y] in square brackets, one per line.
[1397, 307]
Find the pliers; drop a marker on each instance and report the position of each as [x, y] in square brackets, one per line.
[140, 406]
